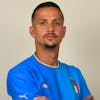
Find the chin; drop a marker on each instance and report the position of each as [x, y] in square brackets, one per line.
[50, 46]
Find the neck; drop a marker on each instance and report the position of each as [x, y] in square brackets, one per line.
[48, 56]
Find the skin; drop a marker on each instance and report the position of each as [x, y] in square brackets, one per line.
[48, 31]
[41, 98]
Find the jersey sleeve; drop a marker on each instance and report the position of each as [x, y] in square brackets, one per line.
[21, 85]
[84, 91]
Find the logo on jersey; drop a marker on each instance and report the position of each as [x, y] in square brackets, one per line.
[23, 96]
[44, 85]
[75, 86]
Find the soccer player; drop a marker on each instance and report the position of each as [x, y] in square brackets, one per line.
[42, 76]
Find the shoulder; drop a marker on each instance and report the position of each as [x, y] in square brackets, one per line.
[78, 80]
[21, 68]
[71, 68]
[21, 79]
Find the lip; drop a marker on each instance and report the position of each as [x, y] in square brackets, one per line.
[50, 36]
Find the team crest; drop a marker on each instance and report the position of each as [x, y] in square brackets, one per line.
[75, 86]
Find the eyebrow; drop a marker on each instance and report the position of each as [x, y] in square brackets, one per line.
[43, 19]
[53, 19]
[57, 20]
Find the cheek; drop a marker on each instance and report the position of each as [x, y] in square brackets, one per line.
[60, 33]
[40, 31]
[38, 35]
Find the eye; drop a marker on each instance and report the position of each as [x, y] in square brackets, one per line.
[42, 23]
[57, 23]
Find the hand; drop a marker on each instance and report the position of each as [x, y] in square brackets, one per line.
[41, 98]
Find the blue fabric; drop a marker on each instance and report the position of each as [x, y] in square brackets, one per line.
[30, 79]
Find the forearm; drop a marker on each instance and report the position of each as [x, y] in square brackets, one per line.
[41, 98]
[89, 98]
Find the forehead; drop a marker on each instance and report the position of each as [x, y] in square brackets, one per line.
[48, 12]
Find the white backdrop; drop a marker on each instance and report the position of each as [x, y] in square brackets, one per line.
[81, 46]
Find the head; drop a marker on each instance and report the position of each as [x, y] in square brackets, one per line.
[47, 25]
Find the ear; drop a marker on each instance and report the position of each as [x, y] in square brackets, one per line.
[64, 30]
[31, 31]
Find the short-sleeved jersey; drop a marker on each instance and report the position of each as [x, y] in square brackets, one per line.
[31, 78]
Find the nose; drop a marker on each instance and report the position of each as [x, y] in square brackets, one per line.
[50, 27]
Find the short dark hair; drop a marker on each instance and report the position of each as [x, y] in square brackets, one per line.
[46, 4]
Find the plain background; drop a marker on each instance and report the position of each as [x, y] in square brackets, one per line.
[81, 46]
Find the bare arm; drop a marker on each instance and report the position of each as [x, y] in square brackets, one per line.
[89, 98]
[41, 98]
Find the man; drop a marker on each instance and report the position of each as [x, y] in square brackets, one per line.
[41, 76]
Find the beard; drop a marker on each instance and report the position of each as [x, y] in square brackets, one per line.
[47, 45]
[50, 46]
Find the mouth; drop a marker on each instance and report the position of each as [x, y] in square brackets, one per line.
[51, 36]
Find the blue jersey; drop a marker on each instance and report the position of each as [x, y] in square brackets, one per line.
[31, 78]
